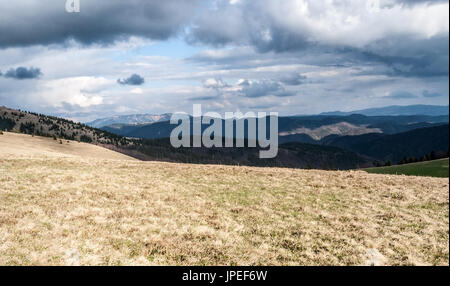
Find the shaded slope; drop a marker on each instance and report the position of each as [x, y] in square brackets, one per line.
[415, 143]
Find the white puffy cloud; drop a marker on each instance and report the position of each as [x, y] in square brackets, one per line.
[75, 91]
[137, 91]
[214, 83]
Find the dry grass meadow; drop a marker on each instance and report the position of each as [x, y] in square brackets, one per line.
[79, 204]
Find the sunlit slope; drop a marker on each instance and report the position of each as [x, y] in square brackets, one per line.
[22, 145]
[66, 210]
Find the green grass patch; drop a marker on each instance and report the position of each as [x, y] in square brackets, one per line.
[436, 168]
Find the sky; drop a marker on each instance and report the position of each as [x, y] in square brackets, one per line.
[291, 57]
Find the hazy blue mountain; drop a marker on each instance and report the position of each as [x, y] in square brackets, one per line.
[432, 110]
[305, 129]
[125, 122]
[133, 119]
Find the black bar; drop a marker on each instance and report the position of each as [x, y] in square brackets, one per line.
[228, 275]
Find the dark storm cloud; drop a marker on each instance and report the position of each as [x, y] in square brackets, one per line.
[245, 24]
[134, 79]
[23, 73]
[264, 25]
[410, 57]
[263, 88]
[260, 24]
[35, 22]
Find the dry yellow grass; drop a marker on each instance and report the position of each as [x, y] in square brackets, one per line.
[58, 210]
[18, 145]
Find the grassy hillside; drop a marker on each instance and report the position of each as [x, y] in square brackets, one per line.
[436, 168]
[17, 145]
[70, 210]
[50, 126]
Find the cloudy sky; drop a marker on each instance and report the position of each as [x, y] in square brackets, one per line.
[290, 56]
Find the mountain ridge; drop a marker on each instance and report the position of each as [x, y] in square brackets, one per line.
[317, 126]
[296, 155]
[392, 110]
[418, 109]
[131, 119]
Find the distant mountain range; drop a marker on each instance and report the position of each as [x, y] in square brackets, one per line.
[319, 142]
[381, 138]
[293, 155]
[395, 110]
[133, 119]
[141, 119]
[305, 129]
[310, 128]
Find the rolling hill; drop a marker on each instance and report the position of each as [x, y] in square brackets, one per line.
[123, 121]
[290, 155]
[319, 144]
[18, 145]
[50, 126]
[302, 156]
[381, 138]
[309, 127]
[414, 143]
[435, 168]
[71, 208]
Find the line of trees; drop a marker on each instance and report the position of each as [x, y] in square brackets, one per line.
[409, 159]
[428, 157]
